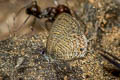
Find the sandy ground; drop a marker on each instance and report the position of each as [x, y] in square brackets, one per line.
[21, 49]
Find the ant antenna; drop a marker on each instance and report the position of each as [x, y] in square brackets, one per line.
[9, 25]
[34, 2]
[22, 9]
[24, 22]
[14, 18]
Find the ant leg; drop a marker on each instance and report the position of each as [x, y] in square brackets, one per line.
[56, 2]
[23, 23]
[34, 2]
[47, 26]
[14, 18]
[10, 33]
[10, 26]
[33, 23]
[19, 12]
[22, 9]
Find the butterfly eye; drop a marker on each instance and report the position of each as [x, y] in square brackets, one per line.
[81, 49]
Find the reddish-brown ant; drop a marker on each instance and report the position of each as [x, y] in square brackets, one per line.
[50, 13]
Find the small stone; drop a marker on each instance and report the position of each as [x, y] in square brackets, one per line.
[19, 62]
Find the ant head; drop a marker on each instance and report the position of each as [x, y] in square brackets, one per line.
[34, 9]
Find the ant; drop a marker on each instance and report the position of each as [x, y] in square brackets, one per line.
[50, 13]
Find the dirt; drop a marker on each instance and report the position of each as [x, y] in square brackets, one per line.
[22, 56]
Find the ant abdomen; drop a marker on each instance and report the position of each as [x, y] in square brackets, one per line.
[63, 8]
